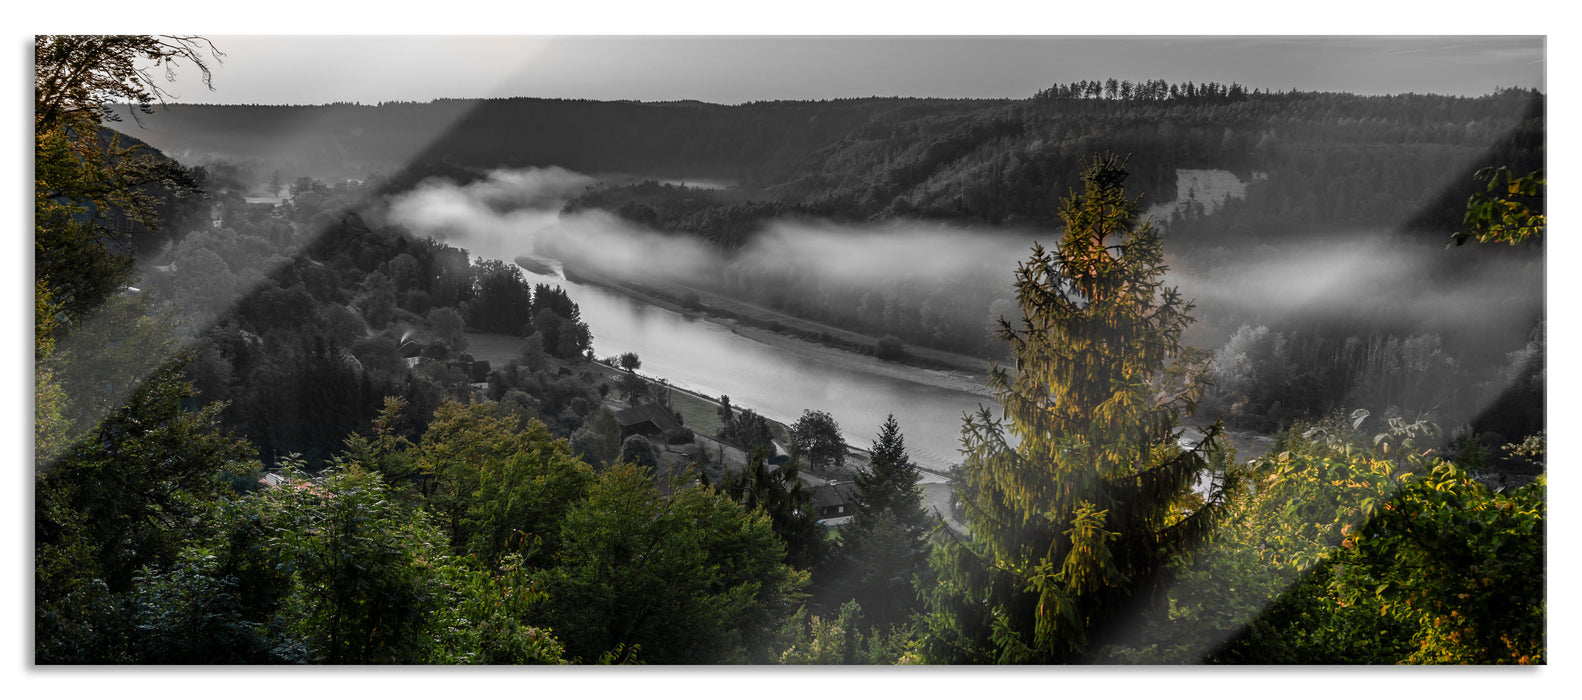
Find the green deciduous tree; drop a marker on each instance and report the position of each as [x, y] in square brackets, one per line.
[841, 639]
[688, 578]
[365, 585]
[1077, 505]
[483, 620]
[1509, 210]
[81, 173]
[75, 77]
[1460, 566]
[499, 488]
[51, 427]
[129, 495]
[1358, 548]
[1293, 510]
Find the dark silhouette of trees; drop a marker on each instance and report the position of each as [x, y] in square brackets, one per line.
[816, 437]
[778, 492]
[502, 300]
[883, 552]
[746, 429]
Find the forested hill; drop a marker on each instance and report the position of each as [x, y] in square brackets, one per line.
[1382, 159]
[1330, 159]
[1313, 162]
[752, 142]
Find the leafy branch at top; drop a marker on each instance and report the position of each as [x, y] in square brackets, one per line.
[1509, 210]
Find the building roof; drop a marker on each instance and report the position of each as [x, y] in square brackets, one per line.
[648, 413]
[272, 480]
[829, 495]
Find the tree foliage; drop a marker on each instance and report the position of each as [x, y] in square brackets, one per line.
[82, 174]
[1076, 508]
[484, 619]
[842, 638]
[365, 589]
[1355, 546]
[128, 496]
[142, 477]
[498, 488]
[745, 428]
[76, 77]
[629, 361]
[688, 578]
[502, 299]
[883, 552]
[779, 493]
[1509, 209]
[889, 486]
[816, 437]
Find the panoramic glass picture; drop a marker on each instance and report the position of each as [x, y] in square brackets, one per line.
[762, 350]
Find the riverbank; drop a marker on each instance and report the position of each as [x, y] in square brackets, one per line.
[811, 339]
[701, 415]
[699, 411]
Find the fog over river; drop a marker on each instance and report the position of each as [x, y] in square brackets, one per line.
[696, 353]
[514, 213]
[517, 212]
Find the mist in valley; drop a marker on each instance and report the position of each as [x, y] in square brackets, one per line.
[1370, 280]
[508, 341]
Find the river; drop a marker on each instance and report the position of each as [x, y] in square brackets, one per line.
[779, 380]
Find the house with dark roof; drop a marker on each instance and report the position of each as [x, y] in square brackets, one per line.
[835, 501]
[651, 421]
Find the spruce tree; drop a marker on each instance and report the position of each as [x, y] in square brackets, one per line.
[1077, 502]
[886, 544]
[888, 487]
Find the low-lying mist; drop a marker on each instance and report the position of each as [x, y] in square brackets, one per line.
[944, 285]
[1367, 279]
[479, 217]
[924, 283]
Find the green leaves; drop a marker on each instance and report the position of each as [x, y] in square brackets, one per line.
[1350, 554]
[366, 587]
[692, 578]
[1509, 210]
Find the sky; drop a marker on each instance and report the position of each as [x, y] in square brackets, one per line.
[730, 51]
[316, 69]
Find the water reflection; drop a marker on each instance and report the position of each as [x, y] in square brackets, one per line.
[696, 353]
